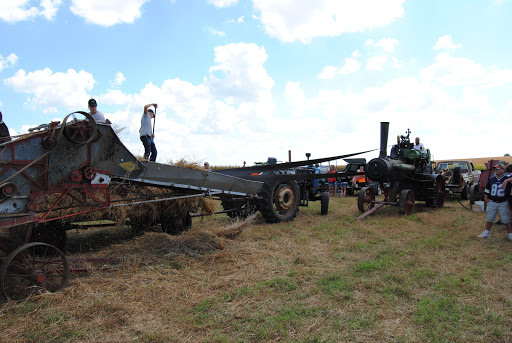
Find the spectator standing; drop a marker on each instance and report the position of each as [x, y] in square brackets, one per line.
[97, 115]
[496, 197]
[332, 181]
[207, 166]
[146, 133]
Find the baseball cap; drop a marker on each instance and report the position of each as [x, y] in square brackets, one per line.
[151, 111]
[92, 103]
[500, 165]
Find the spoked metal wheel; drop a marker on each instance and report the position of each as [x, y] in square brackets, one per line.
[406, 202]
[79, 131]
[439, 191]
[31, 269]
[366, 199]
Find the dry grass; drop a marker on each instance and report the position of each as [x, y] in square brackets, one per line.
[422, 278]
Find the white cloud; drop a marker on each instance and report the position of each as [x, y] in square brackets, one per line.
[223, 3]
[450, 71]
[446, 43]
[18, 10]
[241, 19]
[351, 65]
[217, 33]
[8, 61]
[239, 73]
[292, 20]
[108, 12]
[388, 44]
[376, 63]
[118, 81]
[328, 72]
[115, 97]
[53, 90]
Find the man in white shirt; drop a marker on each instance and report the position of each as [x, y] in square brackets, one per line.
[418, 145]
[97, 115]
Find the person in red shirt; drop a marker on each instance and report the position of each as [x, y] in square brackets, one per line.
[332, 181]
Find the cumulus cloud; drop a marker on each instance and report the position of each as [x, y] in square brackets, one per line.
[450, 71]
[8, 61]
[303, 20]
[118, 80]
[376, 63]
[446, 43]
[241, 19]
[328, 72]
[351, 65]
[223, 3]
[388, 44]
[239, 73]
[53, 90]
[18, 10]
[108, 12]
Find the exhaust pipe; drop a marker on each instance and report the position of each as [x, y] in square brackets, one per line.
[384, 130]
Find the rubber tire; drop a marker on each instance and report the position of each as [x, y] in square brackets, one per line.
[266, 204]
[324, 203]
[464, 195]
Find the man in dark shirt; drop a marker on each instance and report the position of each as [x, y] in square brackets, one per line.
[496, 197]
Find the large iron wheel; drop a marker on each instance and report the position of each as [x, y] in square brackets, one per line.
[406, 202]
[439, 191]
[79, 131]
[31, 269]
[366, 199]
[279, 201]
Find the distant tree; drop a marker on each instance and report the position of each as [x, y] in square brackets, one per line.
[506, 155]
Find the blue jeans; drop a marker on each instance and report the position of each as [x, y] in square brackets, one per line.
[149, 148]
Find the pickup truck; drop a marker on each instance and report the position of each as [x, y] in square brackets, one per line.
[353, 165]
[460, 177]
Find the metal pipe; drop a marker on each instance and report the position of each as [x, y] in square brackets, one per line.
[384, 130]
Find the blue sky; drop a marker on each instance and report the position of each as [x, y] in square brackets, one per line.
[241, 80]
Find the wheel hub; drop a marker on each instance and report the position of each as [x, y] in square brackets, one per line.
[285, 198]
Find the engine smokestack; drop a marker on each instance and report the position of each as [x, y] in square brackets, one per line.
[384, 130]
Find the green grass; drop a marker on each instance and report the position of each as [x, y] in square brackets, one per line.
[387, 278]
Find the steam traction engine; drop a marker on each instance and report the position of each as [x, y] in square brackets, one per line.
[404, 176]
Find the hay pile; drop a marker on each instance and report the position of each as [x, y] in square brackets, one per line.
[148, 212]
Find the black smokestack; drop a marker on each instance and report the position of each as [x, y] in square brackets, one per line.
[384, 130]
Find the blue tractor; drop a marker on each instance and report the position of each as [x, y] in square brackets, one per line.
[313, 189]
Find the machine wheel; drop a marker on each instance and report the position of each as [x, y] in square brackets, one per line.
[324, 203]
[279, 201]
[464, 195]
[474, 194]
[439, 191]
[406, 202]
[25, 272]
[80, 131]
[241, 209]
[365, 199]
[53, 233]
[175, 225]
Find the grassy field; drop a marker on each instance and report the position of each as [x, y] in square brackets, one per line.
[387, 278]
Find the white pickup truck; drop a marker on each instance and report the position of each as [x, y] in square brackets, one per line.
[459, 176]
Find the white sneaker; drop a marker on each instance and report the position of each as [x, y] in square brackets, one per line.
[484, 235]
